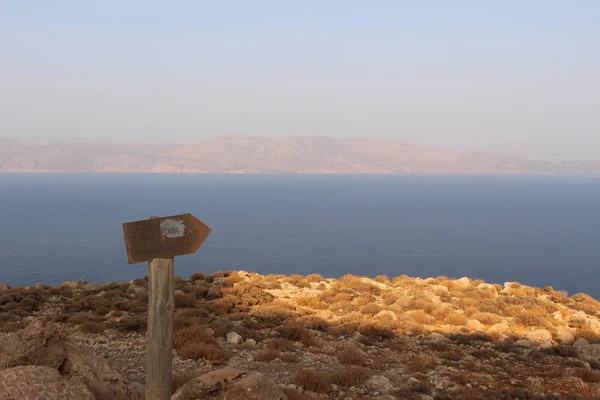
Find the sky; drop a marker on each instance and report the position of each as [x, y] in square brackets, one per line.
[513, 76]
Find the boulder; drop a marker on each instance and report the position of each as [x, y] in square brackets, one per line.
[234, 338]
[564, 337]
[39, 343]
[540, 337]
[475, 325]
[379, 383]
[207, 384]
[35, 382]
[102, 379]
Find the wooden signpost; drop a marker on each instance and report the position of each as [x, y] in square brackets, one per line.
[158, 240]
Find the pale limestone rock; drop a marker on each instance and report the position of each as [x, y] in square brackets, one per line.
[564, 336]
[540, 337]
[475, 325]
[464, 282]
[35, 382]
[234, 338]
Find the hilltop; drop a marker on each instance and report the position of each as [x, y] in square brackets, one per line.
[244, 335]
[239, 154]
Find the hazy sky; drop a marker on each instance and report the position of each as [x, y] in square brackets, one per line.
[512, 76]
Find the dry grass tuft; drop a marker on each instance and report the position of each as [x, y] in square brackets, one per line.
[350, 376]
[313, 380]
[351, 356]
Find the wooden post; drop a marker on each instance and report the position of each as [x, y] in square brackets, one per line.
[161, 310]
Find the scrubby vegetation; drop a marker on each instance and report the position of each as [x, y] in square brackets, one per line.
[427, 336]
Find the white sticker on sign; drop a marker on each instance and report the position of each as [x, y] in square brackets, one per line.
[171, 228]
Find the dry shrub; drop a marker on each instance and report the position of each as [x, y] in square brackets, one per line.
[311, 302]
[197, 276]
[587, 375]
[390, 297]
[469, 311]
[296, 333]
[371, 309]
[489, 306]
[440, 313]
[222, 306]
[420, 364]
[221, 327]
[280, 344]
[484, 353]
[312, 322]
[513, 311]
[452, 355]
[315, 278]
[588, 333]
[350, 376]
[487, 318]
[402, 280]
[273, 314]
[267, 356]
[192, 335]
[351, 356]
[185, 300]
[233, 278]
[380, 330]
[383, 279]
[585, 303]
[357, 284]
[559, 296]
[530, 319]
[421, 317]
[298, 281]
[344, 306]
[209, 351]
[456, 319]
[313, 380]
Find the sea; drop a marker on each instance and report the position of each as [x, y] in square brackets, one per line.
[538, 230]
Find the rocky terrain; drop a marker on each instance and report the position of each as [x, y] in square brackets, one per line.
[238, 154]
[241, 335]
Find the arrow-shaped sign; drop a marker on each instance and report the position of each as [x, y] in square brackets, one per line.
[164, 237]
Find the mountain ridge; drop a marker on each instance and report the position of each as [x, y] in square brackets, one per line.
[231, 153]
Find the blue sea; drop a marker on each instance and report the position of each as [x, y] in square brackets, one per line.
[539, 230]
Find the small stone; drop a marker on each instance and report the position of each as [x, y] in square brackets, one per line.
[251, 342]
[426, 397]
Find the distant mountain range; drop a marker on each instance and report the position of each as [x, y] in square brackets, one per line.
[238, 154]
